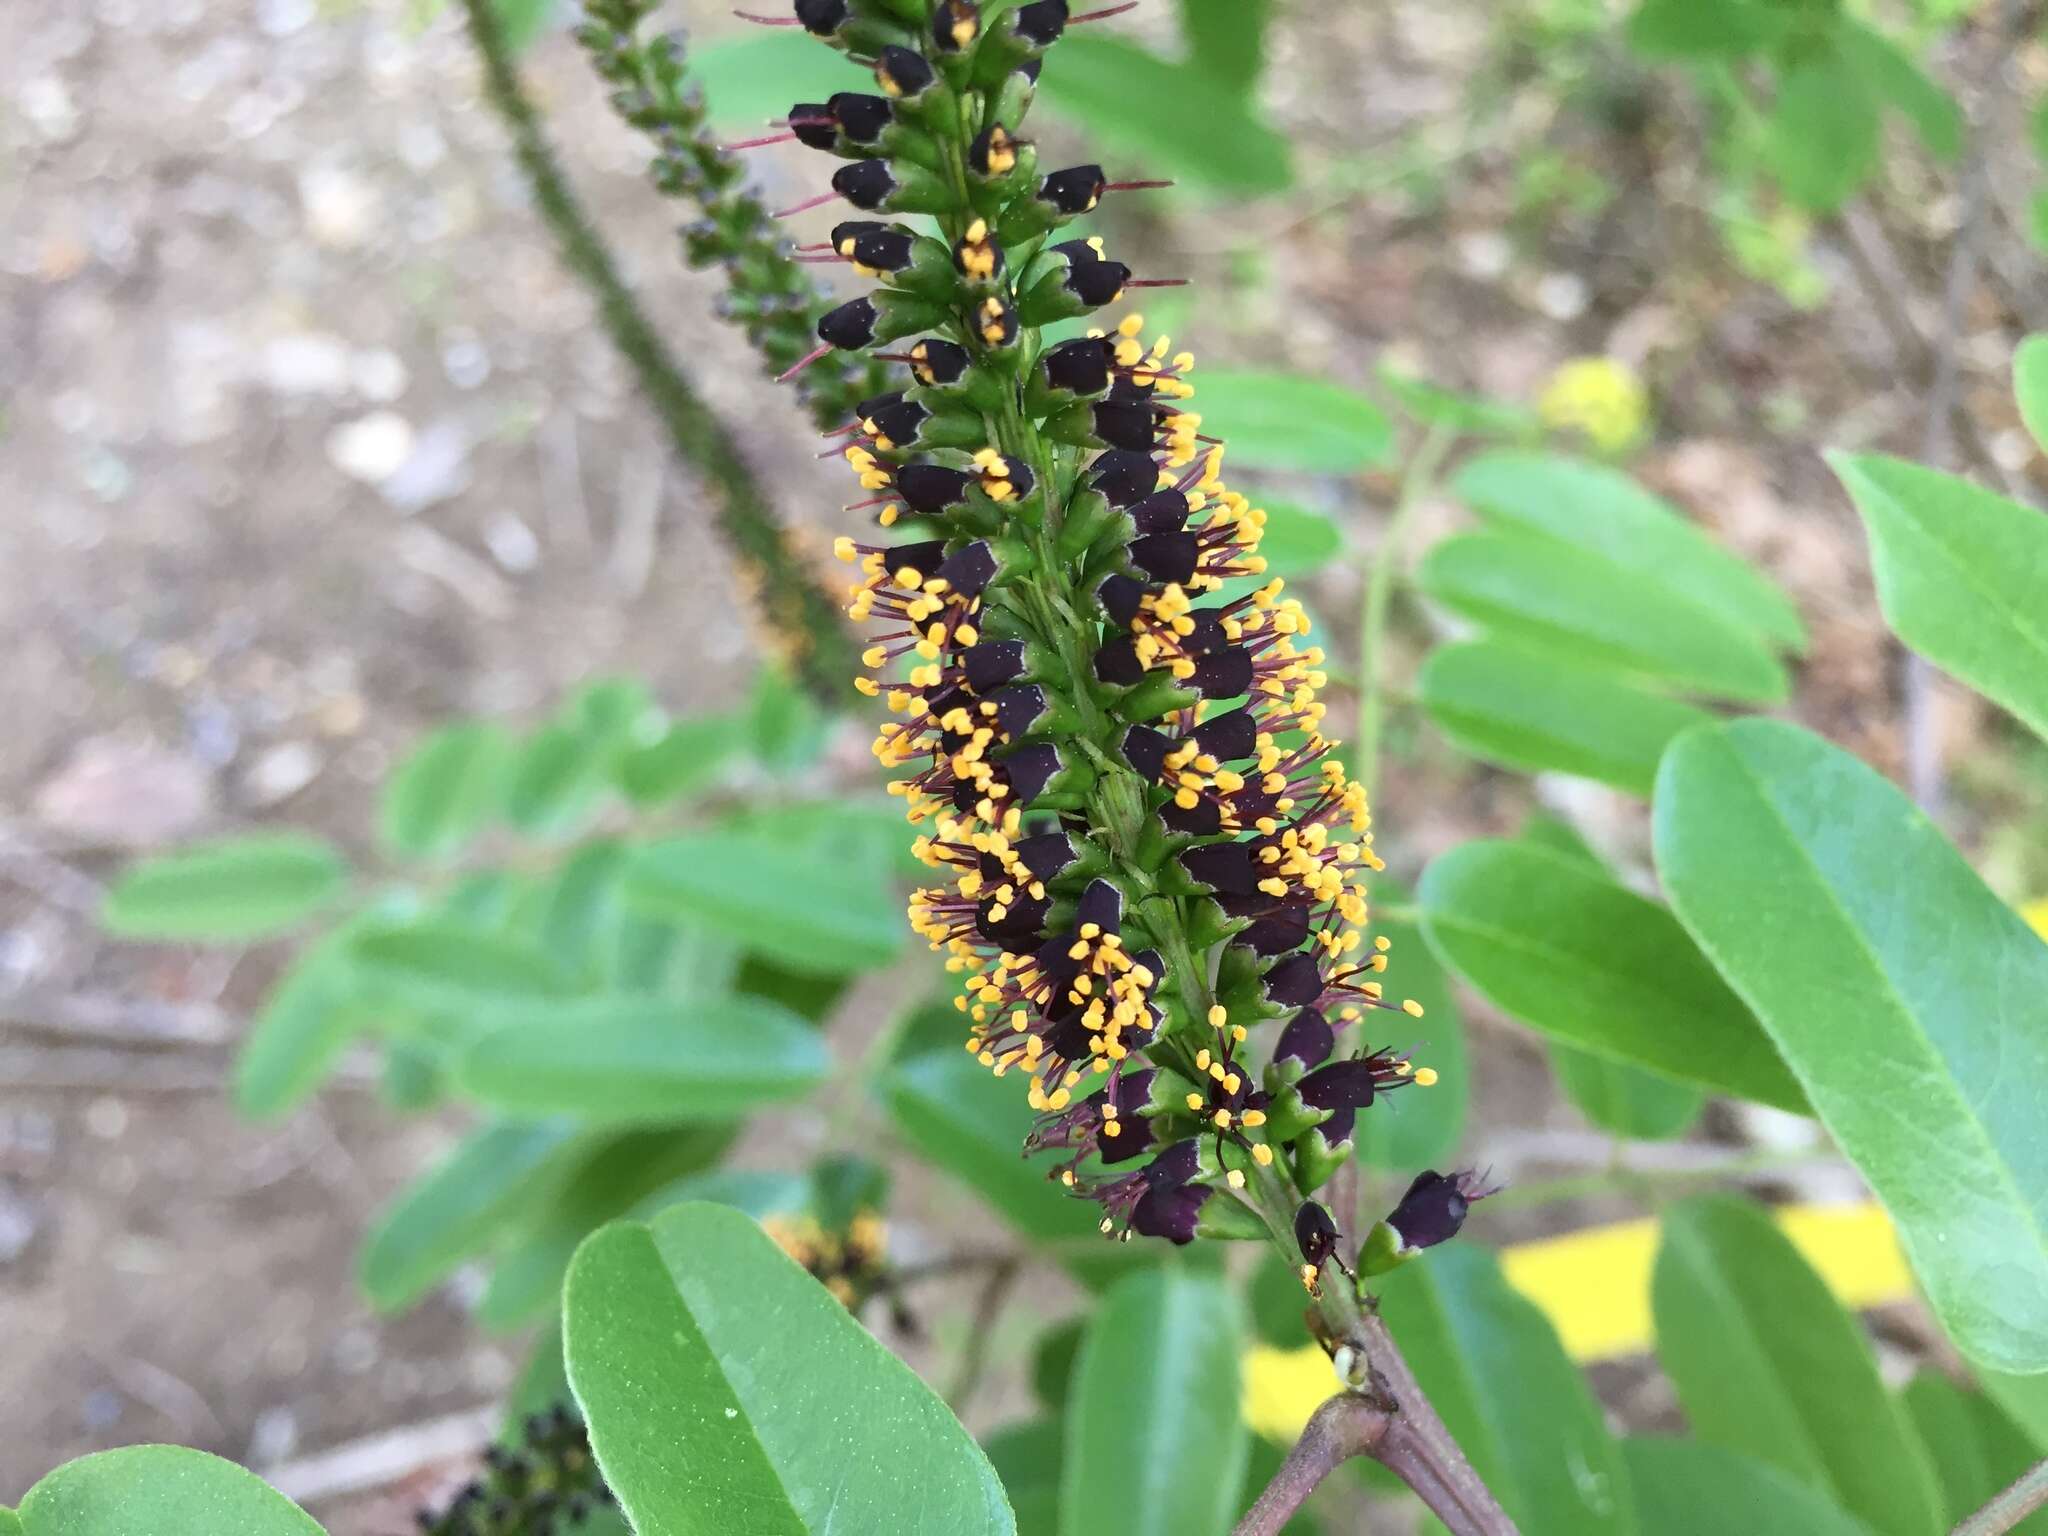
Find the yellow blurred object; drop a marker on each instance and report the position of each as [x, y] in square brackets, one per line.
[1282, 1387]
[1594, 1285]
[1599, 397]
[2036, 914]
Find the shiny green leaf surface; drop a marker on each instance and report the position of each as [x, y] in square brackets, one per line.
[1285, 421]
[1599, 509]
[1858, 935]
[1693, 1488]
[1766, 1362]
[727, 1391]
[1155, 1445]
[1580, 605]
[643, 1059]
[158, 1490]
[1962, 576]
[1537, 713]
[1573, 954]
[1511, 1398]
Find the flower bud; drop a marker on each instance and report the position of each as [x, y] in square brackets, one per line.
[1431, 1212]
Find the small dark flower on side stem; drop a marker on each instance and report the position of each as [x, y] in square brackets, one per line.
[1431, 1212]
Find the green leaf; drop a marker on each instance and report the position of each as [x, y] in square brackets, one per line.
[1416, 1129]
[554, 782]
[1598, 508]
[686, 757]
[1296, 541]
[971, 1124]
[759, 76]
[1571, 953]
[1822, 132]
[1766, 1361]
[2030, 385]
[811, 913]
[1534, 713]
[1286, 421]
[1962, 576]
[10, 1523]
[1624, 1100]
[1859, 936]
[2025, 1401]
[1510, 1396]
[440, 796]
[1227, 39]
[1975, 1448]
[611, 1175]
[1027, 1458]
[643, 1059]
[163, 1490]
[726, 1391]
[447, 1214]
[303, 1027]
[785, 728]
[1468, 415]
[523, 20]
[235, 888]
[1146, 107]
[1578, 604]
[1691, 1488]
[1155, 1443]
[1701, 29]
[1896, 79]
[447, 964]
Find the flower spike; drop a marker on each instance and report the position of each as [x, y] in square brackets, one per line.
[1103, 722]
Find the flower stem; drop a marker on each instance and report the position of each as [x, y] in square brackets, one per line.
[1406, 1435]
[1416, 483]
[2008, 1509]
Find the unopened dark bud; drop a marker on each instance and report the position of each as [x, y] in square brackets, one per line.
[903, 74]
[1080, 366]
[866, 183]
[1075, 190]
[938, 363]
[933, 488]
[1091, 277]
[814, 124]
[1041, 22]
[1315, 1233]
[849, 327]
[861, 117]
[823, 18]
[1125, 476]
[1307, 1039]
[887, 249]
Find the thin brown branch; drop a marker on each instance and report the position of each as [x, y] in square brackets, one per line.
[2027, 1494]
[988, 1307]
[1393, 1422]
[1349, 1424]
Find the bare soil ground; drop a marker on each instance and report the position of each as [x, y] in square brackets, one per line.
[308, 443]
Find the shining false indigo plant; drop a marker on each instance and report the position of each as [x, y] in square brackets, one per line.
[1106, 723]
